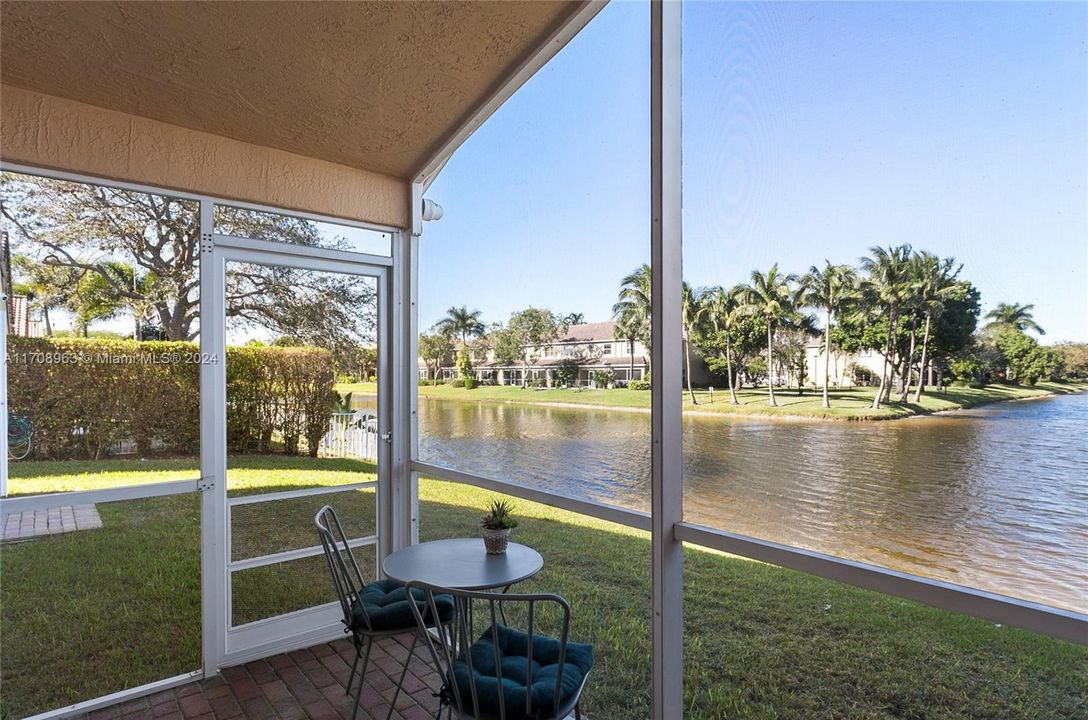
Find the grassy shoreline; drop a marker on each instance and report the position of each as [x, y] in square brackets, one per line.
[846, 405]
[760, 641]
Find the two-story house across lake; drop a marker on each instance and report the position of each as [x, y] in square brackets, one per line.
[583, 356]
[580, 356]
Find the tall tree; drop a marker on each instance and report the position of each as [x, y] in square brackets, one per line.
[690, 317]
[632, 309]
[460, 321]
[575, 318]
[628, 328]
[888, 282]
[829, 289]
[1015, 316]
[935, 284]
[721, 308]
[770, 296]
[47, 287]
[533, 329]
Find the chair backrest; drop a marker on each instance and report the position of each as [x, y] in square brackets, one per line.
[451, 652]
[346, 576]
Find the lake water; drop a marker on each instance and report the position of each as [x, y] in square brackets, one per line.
[995, 498]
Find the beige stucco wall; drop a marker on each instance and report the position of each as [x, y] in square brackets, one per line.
[51, 132]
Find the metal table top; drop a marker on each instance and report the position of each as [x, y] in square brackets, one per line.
[463, 564]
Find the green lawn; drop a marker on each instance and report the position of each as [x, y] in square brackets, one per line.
[91, 612]
[845, 404]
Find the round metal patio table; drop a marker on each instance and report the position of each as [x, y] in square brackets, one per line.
[462, 564]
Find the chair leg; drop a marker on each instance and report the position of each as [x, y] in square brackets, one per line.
[354, 664]
[577, 711]
[362, 677]
[403, 674]
[358, 653]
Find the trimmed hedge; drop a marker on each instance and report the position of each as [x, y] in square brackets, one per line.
[84, 396]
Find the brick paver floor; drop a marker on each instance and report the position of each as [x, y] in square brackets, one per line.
[68, 518]
[295, 686]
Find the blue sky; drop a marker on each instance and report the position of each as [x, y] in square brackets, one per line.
[811, 131]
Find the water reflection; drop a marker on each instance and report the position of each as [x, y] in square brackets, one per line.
[995, 498]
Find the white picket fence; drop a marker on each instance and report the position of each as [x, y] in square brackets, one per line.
[351, 435]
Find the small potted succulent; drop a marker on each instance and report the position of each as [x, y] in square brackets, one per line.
[496, 526]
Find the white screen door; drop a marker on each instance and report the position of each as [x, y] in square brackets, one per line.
[293, 320]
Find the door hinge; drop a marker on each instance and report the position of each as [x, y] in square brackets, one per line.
[205, 484]
[387, 436]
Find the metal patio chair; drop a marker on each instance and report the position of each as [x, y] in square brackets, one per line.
[375, 610]
[504, 673]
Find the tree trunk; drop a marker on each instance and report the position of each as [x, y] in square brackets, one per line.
[922, 364]
[827, 356]
[729, 369]
[687, 363]
[884, 366]
[770, 365]
[909, 363]
[48, 325]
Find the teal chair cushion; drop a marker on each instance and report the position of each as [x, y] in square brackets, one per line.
[386, 604]
[515, 660]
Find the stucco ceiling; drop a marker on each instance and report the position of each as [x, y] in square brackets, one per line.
[373, 85]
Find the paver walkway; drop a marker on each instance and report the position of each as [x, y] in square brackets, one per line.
[56, 520]
[302, 685]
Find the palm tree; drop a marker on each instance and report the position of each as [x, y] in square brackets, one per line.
[1014, 316]
[690, 316]
[47, 287]
[632, 309]
[935, 283]
[461, 321]
[575, 319]
[722, 307]
[770, 296]
[888, 281]
[828, 289]
[627, 328]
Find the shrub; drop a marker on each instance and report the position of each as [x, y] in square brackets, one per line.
[861, 375]
[604, 378]
[566, 372]
[83, 396]
[470, 383]
[464, 364]
[638, 385]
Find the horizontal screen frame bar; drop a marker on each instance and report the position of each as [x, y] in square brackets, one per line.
[288, 555]
[236, 500]
[29, 503]
[610, 513]
[1055, 622]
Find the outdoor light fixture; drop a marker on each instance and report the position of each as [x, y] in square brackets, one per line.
[431, 210]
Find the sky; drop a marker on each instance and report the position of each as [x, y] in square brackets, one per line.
[811, 132]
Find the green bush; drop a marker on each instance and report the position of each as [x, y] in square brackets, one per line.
[565, 374]
[83, 396]
[604, 378]
[470, 383]
[638, 385]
